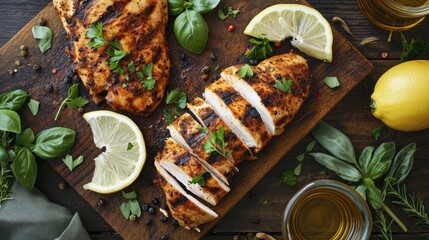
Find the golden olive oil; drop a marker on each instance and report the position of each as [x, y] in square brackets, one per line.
[325, 213]
[395, 15]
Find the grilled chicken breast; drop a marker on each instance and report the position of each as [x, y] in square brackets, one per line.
[209, 119]
[139, 26]
[187, 132]
[277, 108]
[243, 119]
[184, 167]
[186, 209]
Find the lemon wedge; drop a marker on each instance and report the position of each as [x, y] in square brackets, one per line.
[124, 151]
[310, 31]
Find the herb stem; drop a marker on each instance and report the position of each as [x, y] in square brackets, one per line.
[395, 218]
[59, 109]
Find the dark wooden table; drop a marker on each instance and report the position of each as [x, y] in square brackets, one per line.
[262, 209]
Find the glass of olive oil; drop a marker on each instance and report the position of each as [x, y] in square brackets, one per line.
[327, 209]
[395, 15]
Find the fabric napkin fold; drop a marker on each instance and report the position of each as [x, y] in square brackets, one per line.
[30, 215]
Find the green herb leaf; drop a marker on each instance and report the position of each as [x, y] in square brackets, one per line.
[332, 82]
[205, 130]
[24, 168]
[25, 138]
[95, 34]
[175, 7]
[13, 100]
[140, 75]
[176, 97]
[311, 146]
[284, 85]
[73, 99]
[191, 31]
[361, 189]
[204, 6]
[33, 105]
[412, 48]
[344, 170]
[44, 35]
[230, 12]
[169, 117]
[72, 164]
[217, 67]
[261, 49]
[376, 132]
[365, 158]
[129, 195]
[402, 163]
[335, 142]
[216, 143]
[54, 142]
[297, 170]
[130, 146]
[10, 121]
[131, 67]
[245, 71]
[199, 179]
[149, 84]
[221, 14]
[288, 177]
[381, 160]
[135, 208]
[374, 196]
[125, 209]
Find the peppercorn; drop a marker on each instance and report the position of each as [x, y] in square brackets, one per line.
[182, 56]
[100, 202]
[164, 237]
[23, 53]
[62, 185]
[278, 44]
[76, 79]
[231, 28]
[67, 79]
[11, 72]
[133, 218]
[80, 109]
[175, 223]
[155, 201]
[15, 70]
[253, 62]
[145, 207]
[18, 63]
[36, 67]
[205, 69]
[204, 77]
[213, 57]
[41, 22]
[49, 88]
[54, 71]
[384, 54]
[22, 47]
[148, 222]
[151, 210]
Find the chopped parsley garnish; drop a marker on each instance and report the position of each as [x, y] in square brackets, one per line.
[95, 33]
[231, 12]
[285, 85]
[261, 49]
[245, 71]
[129, 146]
[199, 179]
[179, 100]
[216, 143]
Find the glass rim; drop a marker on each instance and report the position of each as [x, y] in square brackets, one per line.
[336, 185]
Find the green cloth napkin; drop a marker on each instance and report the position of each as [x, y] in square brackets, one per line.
[30, 215]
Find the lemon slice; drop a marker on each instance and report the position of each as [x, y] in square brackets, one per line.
[310, 31]
[124, 151]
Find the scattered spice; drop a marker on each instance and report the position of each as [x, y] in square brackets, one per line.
[368, 40]
[278, 45]
[18, 63]
[133, 217]
[11, 72]
[155, 201]
[384, 54]
[205, 69]
[204, 77]
[163, 219]
[148, 222]
[41, 22]
[62, 185]
[54, 71]
[213, 57]
[22, 47]
[49, 88]
[231, 28]
[164, 237]
[100, 202]
[36, 67]
[23, 53]
[151, 211]
[342, 23]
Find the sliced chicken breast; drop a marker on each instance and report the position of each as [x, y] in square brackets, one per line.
[277, 108]
[209, 119]
[184, 166]
[241, 117]
[187, 210]
[188, 133]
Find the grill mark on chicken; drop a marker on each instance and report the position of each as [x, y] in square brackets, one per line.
[178, 201]
[182, 161]
[227, 97]
[112, 11]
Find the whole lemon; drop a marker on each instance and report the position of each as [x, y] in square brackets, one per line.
[401, 96]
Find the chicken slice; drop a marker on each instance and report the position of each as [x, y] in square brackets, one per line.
[183, 166]
[277, 108]
[139, 27]
[187, 132]
[242, 118]
[209, 119]
[187, 210]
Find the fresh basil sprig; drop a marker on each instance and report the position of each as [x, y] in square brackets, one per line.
[190, 28]
[13, 100]
[44, 35]
[371, 165]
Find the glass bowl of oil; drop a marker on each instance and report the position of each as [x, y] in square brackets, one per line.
[327, 209]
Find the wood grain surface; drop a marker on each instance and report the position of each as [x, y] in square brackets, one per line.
[269, 197]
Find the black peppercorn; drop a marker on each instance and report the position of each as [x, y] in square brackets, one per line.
[175, 223]
[205, 69]
[155, 201]
[182, 56]
[41, 22]
[148, 222]
[11, 72]
[204, 77]
[145, 207]
[23, 53]
[164, 237]
[253, 62]
[36, 67]
[49, 88]
[163, 219]
[213, 57]
[151, 210]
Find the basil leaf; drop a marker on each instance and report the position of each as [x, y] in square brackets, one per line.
[335, 142]
[175, 7]
[13, 100]
[25, 138]
[44, 34]
[191, 31]
[25, 168]
[381, 160]
[125, 209]
[402, 163]
[204, 6]
[54, 142]
[361, 189]
[332, 82]
[365, 158]
[129, 195]
[344, 170]
[374, 196]
[33, 105]
[72, 164]
[10, 121]
[135, 208]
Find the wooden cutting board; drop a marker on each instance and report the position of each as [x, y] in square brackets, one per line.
[349, 66]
